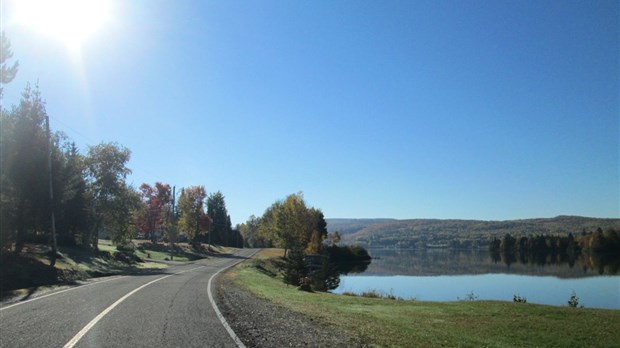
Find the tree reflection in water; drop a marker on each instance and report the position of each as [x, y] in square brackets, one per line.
[455, 262]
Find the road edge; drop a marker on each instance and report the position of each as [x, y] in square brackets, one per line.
[219, 314]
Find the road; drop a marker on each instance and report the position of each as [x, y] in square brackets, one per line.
[168, 309]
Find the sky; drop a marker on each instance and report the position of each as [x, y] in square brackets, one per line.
[489, 110]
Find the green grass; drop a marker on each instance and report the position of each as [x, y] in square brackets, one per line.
[395, 323]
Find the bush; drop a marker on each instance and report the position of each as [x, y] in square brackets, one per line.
[468, 297]
[371, 294]
[351, 253]
[126, 257]
[294, 267]
[126, 247]
[573, 301]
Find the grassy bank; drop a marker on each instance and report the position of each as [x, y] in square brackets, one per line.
[165, 252]
[393, 323]
[31, 270]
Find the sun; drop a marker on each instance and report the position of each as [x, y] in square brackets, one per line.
[70, 21]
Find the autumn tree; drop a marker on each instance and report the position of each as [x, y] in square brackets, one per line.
[155, 210]
[290, 224]
[316, 230]
[301, 231]
[193, 219]
[250, 232]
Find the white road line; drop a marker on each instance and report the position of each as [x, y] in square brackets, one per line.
[93, 322]
[60, 292]
[230, 331]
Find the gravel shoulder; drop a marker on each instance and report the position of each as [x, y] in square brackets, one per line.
[261, 323]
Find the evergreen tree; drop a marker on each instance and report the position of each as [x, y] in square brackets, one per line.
[23, 171]
[7, 72]
[221, 228]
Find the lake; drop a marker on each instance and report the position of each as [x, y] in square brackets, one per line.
[452, 275]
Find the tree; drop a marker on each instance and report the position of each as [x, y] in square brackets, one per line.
[334, 238]
[251, 235]
[121, 221]
[23, 171]
[114, 201]
[193, 220]
[72, 203]
[156, 209]
[267, 229]
[221, 228]
[316, 230]
[291, 224]
[508, 243]
[7, 72]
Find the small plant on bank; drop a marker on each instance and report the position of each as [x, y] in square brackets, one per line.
[349, 293]
[371, 294]
[468, 297]
[573, 301]
[519, 299]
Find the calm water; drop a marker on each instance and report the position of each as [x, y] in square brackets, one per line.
[444, 275]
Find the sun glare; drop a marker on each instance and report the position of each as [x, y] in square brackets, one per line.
[70, 21]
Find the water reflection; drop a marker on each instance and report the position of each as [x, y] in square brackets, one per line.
[352, 267]
[456, 262]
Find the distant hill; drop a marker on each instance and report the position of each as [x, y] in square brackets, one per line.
[346, 226]
[423, 233]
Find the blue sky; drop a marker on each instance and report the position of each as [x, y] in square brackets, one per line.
[407, 109]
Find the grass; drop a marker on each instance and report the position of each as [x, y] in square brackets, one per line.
[180, 251]
[388, 323]
[30, 270]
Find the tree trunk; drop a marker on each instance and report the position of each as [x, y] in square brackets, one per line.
[19, 240]
[95, 236]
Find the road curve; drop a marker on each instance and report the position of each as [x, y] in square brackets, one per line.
[164, 309]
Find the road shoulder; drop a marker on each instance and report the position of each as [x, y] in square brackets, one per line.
[261, 323]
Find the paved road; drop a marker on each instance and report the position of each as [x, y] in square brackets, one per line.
[167, 309]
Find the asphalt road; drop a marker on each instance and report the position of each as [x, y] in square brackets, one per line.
[168, 309]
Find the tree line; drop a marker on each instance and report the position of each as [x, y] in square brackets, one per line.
[592, 241]
[48, 185]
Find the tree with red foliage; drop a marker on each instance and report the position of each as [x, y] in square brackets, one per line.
[157, 206]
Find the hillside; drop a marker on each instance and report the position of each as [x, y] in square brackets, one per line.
[348, 226]
[419, 233]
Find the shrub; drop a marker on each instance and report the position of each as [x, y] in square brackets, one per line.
[469, 297]
[519, 299]
[126, 247]
[371, 294]
[127, 257]
[573, 301]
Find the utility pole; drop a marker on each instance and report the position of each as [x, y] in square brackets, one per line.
[49, 168]
[172, 224]
[173, 202]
